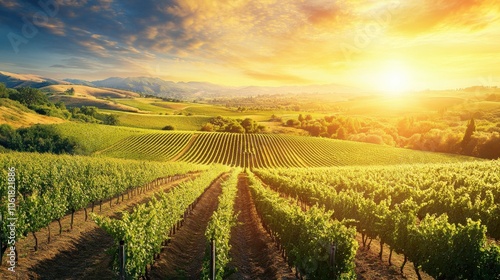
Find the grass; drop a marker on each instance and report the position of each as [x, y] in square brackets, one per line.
[79, 101]
[95, 137]
[144, 104]
[157, 106]
[17, 115]
[148, 121]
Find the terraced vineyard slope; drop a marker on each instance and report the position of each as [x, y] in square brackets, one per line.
[266, 150]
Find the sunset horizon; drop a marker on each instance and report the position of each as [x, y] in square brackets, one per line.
[381, 46]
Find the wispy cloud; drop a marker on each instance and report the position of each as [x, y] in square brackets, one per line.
[267, 41]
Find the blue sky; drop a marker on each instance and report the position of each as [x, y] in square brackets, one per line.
[406, 44]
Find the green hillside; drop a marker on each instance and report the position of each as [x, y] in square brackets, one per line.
[151, 121]
[266, 150]
[94, 137]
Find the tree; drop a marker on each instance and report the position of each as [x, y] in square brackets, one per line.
[70, 91]
[60, 105]
[308, 118]
[301, 118]
[341, 133]
[292, 123]
[89, 111]
[43, 139]
[471, 127]
[332, 128]
[30, 97]
[315, 129]
[112, 119]
[168, 127]
[275, 118]
[249, 125]
[207, 127]
[3, 91]
[9, 138]
[491, 148]
[234, 127]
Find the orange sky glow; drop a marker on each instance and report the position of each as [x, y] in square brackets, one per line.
[381, 45]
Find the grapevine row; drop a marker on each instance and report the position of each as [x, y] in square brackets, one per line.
[160, 146]
[431, 242]
[219, 227]
[50, 186]
[461, 190]
[265, 150]
[309, 238]
[148, 227]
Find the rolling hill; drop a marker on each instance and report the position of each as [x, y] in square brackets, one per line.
[13, 80]
[82, 90]
[17, 115]
[266, 150]
[90, 96]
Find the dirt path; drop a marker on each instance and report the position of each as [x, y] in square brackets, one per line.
[369, 266]
[76, 254]
[252, 250]
[183, 257]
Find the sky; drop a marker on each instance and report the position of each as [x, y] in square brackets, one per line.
[388, 45]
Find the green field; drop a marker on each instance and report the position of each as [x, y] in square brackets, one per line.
[143, 104]
[95, 137]
[158, 106]
[267, 150]
[189, 123]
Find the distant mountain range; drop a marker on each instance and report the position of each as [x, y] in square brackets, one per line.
[12, 80]
[178, 90]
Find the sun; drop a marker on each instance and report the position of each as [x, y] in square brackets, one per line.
[394, 79]
[396, 82]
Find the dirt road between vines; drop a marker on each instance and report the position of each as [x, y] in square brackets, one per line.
[254, 254]
[183, 257]
[79, 253]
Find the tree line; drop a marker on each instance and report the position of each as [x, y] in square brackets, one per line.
[221, 124]
[419, 133]
[45, 138]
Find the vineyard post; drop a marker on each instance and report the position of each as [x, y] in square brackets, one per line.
[333, 251]
[212, 259]
[1, 234]
[122, 259]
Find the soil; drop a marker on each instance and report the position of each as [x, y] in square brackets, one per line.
[254, 255]
[79, 253]
[369, 265]
[183, 257]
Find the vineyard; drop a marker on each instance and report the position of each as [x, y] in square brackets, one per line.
[48, 187]
[441, 215]
[265, 150]
[161, 147]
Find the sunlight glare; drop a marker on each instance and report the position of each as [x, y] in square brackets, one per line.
[394, 79]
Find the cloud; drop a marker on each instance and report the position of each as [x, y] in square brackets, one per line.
[262, 40]
[76, 63]
[325, 12]
[55, 26]
[10, 4]
[429, 16]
